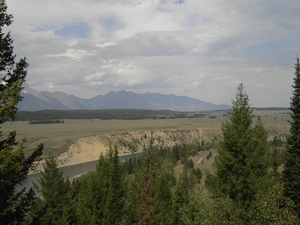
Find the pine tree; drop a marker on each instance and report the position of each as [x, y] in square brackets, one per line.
[101, 196]
[241, 159]
[275, 157]
[133, 200]
[51, 208]
[147, 208]
[180, 199]
[92, 196]
[14, 166]
[291, 173]
[114, 207]
[89, 200]
[161, 190]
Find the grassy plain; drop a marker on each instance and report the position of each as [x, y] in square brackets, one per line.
[58, 137]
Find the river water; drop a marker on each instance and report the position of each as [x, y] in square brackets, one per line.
[71, 171]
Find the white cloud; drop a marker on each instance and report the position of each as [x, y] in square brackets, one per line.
[196, 48]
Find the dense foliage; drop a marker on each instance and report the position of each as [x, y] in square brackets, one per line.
[241, 160]
[52, 208]
[291, 173]
[14, 165]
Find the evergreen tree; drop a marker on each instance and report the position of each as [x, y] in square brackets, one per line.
[147, 208]
[291, 173]
[161, 190]
[100, 199]
[91, 198]
[241, 159]
[275, 156]
[114, 208]
[180, 199]
[52, 207]
[133, 199]
[14, 166]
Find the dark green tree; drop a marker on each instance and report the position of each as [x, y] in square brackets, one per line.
[180, 199]
[291, 173]
[275, 156]
[52, 207]
[91, 198]
[185, 186]
[101, 197]
[14, 165]
[133, 199]
[114, 207]
[161, 190]
[147, 209]
[241, 159]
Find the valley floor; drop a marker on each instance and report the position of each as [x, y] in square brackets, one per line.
[79, 141]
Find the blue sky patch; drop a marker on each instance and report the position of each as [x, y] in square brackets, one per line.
[77, 30]
[176, 2]
[264, 48]
[179, 2]
[112, 24]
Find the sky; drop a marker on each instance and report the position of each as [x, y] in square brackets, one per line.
[196, 48]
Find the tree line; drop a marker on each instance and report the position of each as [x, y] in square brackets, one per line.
[246, 186]
[46, 121]
[105, 114]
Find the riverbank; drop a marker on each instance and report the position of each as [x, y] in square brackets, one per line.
[90, 148]
[86, 149]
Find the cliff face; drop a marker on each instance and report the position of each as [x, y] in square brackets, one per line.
[87, 149]
[90, 148]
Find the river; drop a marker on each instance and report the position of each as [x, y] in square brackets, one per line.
[70, 171]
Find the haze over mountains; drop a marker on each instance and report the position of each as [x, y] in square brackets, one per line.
[40, 100]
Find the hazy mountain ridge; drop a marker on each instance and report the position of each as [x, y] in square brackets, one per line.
[70, 101]
[40, 100]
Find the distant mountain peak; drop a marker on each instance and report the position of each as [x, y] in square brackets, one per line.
[40, 100]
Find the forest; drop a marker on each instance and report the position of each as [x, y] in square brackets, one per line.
[253, 182]
[247, 186]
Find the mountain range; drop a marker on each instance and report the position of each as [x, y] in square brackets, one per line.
[34, 100]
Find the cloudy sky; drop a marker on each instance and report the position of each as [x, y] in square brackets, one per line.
[197, 48]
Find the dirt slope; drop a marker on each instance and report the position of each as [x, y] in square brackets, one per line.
[90, 148]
